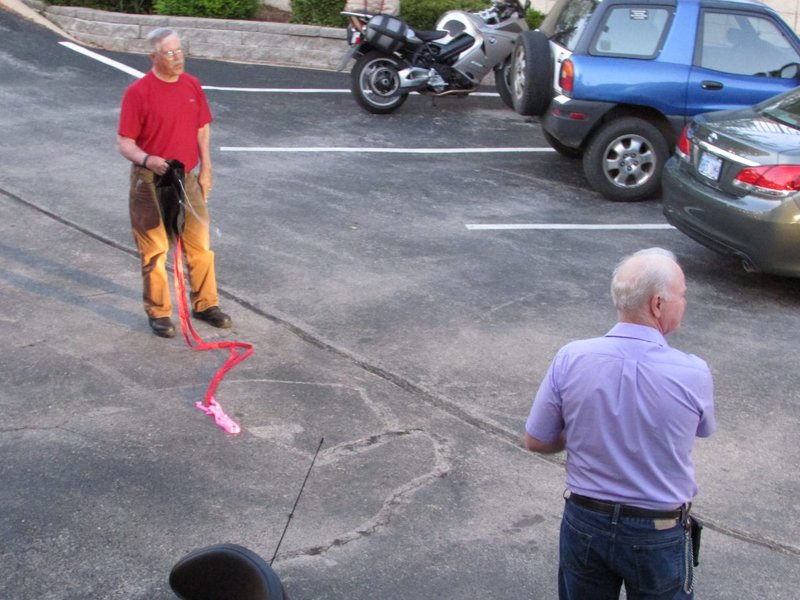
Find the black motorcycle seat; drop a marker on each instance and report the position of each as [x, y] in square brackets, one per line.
[430, 36]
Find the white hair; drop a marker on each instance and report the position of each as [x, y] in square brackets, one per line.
[654, 272]
[158, 35]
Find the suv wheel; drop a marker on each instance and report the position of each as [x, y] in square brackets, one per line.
[624, 159]
[532, 74]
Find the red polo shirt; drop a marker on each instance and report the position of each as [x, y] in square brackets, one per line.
[163, 118]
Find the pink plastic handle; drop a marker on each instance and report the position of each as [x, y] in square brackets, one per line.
[220, 418]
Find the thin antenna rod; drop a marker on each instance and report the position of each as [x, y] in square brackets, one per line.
[297, 500]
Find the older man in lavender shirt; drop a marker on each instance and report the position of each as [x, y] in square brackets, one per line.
[627, 408]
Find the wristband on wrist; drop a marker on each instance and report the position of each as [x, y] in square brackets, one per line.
[144, 160]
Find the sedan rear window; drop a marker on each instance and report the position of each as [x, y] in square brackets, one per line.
[785, 109]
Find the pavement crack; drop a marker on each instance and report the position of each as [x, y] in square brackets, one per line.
[400, 497]
[334, 453]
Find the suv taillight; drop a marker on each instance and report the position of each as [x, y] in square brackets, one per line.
[566, 77]
[684, 147]
[775, 181]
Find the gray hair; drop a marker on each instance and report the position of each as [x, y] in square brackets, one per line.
[654, 272]
[158, 35]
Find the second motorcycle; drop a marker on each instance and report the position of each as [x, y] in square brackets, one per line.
[393, 60]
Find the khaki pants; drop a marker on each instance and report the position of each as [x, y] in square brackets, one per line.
[151, 239]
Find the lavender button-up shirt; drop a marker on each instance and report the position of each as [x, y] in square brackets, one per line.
[630, 407]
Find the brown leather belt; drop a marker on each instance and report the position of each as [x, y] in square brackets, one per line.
[625, 510]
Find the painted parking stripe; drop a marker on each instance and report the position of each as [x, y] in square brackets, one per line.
[136, 73]
[275, 90]
[102, 59]
[219, 88]
[563, 226]
[383, 150]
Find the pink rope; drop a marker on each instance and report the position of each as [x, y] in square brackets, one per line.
[239, 351]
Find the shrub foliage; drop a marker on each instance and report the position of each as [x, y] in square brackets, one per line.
[318, 12]
[221, 9]
[421, 14]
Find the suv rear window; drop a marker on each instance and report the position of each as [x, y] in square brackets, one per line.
[567, 19]
[634, 31]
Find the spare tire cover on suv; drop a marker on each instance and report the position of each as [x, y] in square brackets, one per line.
[532, 74]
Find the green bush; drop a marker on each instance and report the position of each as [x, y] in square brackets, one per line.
[420, 14]
[139, 7]
[423, 14]
[221, 9]
[318, 12]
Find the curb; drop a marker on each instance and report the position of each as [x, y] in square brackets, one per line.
[260, 42]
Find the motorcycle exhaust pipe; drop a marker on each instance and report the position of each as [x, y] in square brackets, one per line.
[463, 92]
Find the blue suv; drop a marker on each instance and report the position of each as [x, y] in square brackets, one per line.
[615, 81]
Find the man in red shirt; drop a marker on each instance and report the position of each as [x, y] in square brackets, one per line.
[165, 116]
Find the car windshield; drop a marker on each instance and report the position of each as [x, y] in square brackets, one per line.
[785, 109]
[565, 22]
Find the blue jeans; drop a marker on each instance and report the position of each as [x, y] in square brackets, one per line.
[599, 552]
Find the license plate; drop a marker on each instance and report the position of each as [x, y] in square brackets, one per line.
[709, 166]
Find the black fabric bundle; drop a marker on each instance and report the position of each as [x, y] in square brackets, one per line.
[171, 195]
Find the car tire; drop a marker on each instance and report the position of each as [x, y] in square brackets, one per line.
[624, 159]
[531, 74]
[563, 150]
[502, 83]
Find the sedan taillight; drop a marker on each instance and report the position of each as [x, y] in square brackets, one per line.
[684, 147]
[566, 77]
[775, 181]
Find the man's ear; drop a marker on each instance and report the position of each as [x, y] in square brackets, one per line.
[655, 306]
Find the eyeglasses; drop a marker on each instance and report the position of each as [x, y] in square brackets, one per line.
[172, 54]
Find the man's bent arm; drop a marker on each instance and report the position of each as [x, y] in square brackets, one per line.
[127, 148]
[203, 142]
[535, 445]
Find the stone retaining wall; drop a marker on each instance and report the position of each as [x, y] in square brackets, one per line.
[219, 39]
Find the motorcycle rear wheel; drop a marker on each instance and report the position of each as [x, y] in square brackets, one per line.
[502, 83]
[375, 82]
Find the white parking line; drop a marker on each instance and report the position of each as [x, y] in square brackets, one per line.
[562, 226]
[275, 90]
[139, 74]
[102, 59]
[383, 150]
[308, 91]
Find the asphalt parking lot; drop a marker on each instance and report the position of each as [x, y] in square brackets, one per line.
[406, 280]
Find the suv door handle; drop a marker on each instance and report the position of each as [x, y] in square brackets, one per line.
[711, 85]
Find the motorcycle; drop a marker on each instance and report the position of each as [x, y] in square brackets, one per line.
[393, 60]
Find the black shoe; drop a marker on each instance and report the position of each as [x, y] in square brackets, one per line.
[214, 317]
[162, 327]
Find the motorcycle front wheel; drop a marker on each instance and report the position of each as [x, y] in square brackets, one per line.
[375, 83]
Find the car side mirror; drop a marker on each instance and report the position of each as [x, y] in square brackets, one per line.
[790, 71]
